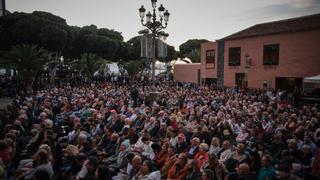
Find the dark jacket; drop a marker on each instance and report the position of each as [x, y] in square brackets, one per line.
[196, 175]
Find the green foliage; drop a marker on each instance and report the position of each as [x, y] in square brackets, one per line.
[53, 37]
[88, 64]
[191, 49]
[27, 59]
[194, 55]
[41, 28]
[134, 48]
[132, 67]
[53, 33]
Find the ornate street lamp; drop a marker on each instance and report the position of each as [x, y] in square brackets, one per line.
[155, 25]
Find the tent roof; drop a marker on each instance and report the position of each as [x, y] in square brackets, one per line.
[313, 79]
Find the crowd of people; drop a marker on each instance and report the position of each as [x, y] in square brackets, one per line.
[128, 130]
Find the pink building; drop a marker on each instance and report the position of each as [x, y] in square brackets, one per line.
[208, 62]
[276, 54]
[270, 55]
[187, 73]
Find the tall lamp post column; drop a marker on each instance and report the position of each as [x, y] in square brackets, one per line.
[155, 26]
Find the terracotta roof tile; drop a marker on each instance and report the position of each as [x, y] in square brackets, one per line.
[283, 26]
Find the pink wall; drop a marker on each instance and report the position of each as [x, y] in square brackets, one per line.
[186, 72]
[299, 56]
[205, 72]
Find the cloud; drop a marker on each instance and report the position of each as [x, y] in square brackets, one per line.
[302, 3]
[280, 10]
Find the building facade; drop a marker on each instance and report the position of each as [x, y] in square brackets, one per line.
[208, 61]
[275, 55]
[187, 73]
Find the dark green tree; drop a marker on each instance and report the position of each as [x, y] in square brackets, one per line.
[191, 49]
[28, 60]
[88, 64]
[132, 67]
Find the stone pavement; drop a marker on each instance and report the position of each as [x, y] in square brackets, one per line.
[4, 102]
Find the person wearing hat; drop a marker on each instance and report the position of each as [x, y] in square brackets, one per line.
[202, 156]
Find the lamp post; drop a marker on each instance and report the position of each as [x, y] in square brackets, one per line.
[155, 25]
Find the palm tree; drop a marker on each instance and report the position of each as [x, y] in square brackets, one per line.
[27, 59]
[89, 64]
[132, 67]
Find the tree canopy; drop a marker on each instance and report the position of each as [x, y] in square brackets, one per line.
[191, 49]
[52, 33]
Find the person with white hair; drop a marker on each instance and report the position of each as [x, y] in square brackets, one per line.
[194, 147]
[225, 152]
[202, 156]
[215, 146]
[82, 143]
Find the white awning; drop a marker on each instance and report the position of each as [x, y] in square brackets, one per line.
[313, 79]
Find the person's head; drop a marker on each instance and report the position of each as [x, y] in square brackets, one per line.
[277, 139]
[240, 148]
[124, 145]
[192, 165]
[292, 144]
[307, 139]
[243, 130]
[203, 148]
[285, 155]
[102, 172]
[146, 167]
[136, 162]
[243, 169]
[212, 160]
[215, 141]
[182, 159]
[114, 137]
[207, 174]
[82, 138]
[181, 138]
[92, 164]
[171, 150]
[156, 147]
[47, 148]
[195, 142]
[307, 150]
[226, 144]
[130, 157]
[71, 150]
[41, 157]
[266, 160]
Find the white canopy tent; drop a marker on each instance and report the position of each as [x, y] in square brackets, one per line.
[311, 84]
[313, 79]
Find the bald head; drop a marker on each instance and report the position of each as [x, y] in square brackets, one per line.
[244, 169]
